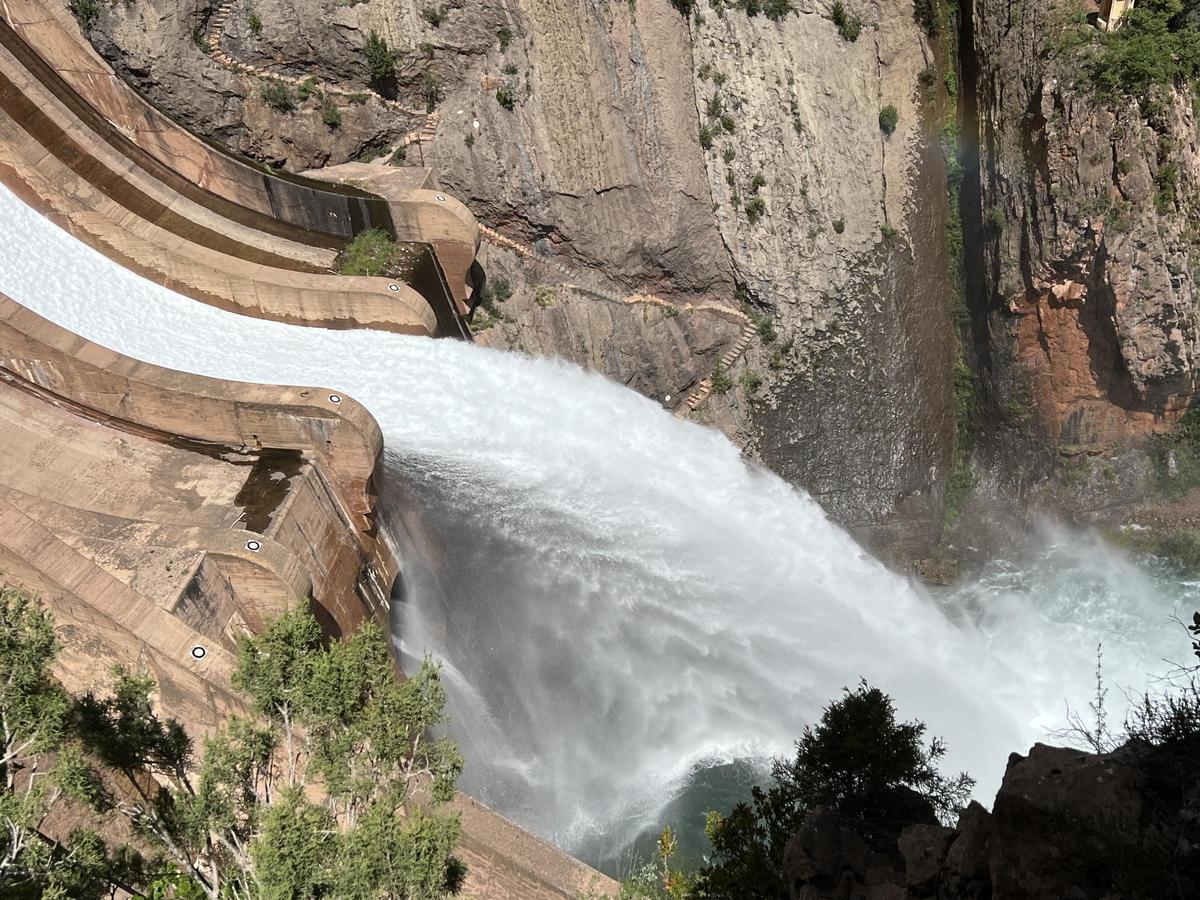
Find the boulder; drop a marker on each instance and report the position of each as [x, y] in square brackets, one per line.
[923, 849]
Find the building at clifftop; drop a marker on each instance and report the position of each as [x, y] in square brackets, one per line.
[1111, 13]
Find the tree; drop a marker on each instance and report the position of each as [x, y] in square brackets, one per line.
[380, 58]
[312, 799]
[41, 766]
[1158, 43]
[876, 772]
[244, 823]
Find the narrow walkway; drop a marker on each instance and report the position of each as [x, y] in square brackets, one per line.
[216, 31]
[704, 388]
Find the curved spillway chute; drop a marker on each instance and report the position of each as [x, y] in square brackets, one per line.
[80, 145]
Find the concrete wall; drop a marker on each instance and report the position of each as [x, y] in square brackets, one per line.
[60, 166]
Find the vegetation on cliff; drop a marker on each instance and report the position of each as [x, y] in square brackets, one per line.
[878, 773]
[373, 252]
[311, 799]
[1158, 44]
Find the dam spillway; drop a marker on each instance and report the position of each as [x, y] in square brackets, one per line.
[621, 596]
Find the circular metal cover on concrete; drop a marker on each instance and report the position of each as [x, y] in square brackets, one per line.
[334, 398]
[253, 546]
[199, 652]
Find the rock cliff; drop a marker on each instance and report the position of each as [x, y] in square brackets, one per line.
[719, 161]
[1089, 234]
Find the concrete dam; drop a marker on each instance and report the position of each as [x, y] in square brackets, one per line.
[203, 426]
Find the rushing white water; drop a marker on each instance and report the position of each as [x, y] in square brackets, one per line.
[616, 595]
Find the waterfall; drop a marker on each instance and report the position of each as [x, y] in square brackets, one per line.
[617, 596]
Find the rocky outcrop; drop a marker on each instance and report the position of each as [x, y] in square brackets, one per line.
[1089, 240]
[159, 47]
[1066, 825]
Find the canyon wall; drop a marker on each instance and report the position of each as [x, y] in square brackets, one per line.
[726, 168]
[1090, 245]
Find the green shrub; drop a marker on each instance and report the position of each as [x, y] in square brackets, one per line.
[308, 88]
[728, 154]
[278, 96]
[510, 69]
[1158, 43]
[757, 182]
[995, 219]
[331, 115]
[380, 58]
[504, 36]
[506, 95]
[848, 26]
[545, 297]
[928, 15]
[358, 98]
[431, 88]
[751, 382]
[685, 7]
[775, 10]
[727, 123]
[755, 209]
[888, 119]
[434, 15]
[706, 136]
[951, 80]
[369, 154]
[859, 761]
[719, 79]
[779, 356]
[86, 13]
[720, 380]
[399, 156]
[1166, 183]
[469, 140]
[496, 290]
[255, 24]
[839, 224]
[888, 231]
[371, 252]
[766, 329]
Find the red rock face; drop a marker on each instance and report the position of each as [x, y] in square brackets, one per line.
[1068, 351]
